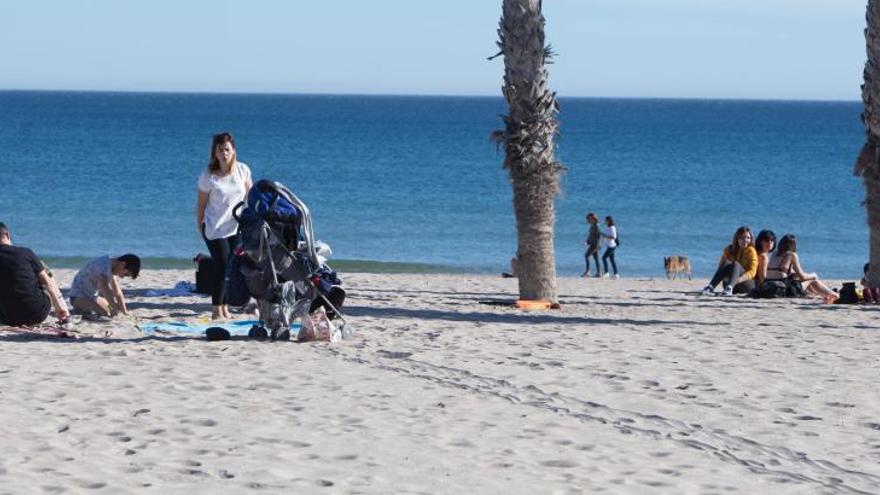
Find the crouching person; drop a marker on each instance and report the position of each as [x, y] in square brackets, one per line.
[27, 291]
[96, 292]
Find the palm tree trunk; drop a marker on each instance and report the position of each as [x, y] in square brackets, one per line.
[868, 162]
[528, 136]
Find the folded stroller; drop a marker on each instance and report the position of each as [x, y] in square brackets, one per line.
[279, 260]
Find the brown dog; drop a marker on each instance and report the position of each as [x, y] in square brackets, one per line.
[676, 265]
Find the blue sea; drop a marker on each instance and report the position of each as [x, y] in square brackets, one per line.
[400, 183]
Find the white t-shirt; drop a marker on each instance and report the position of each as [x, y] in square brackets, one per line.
[223, 194]
[611, 231]
[95, 274]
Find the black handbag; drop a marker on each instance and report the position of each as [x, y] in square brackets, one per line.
[794, 288]
[848, 294]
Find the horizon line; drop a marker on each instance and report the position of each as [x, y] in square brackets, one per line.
[423, 95]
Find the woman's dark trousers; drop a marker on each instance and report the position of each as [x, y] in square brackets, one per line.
[592, 251]
[221, 250]
[728, 273]
[609, 255]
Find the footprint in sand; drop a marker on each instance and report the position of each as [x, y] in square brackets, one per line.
[559, 463]
[92, 485]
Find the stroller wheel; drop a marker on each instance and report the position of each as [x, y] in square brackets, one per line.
[258, 332]
[283, 334]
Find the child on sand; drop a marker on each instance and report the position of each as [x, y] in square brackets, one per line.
[95, 290]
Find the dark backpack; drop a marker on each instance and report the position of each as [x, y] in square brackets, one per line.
[770, 289]
[794, 288]
[204, 273]
[848, 294]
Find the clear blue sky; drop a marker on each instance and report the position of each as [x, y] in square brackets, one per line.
[777, 49]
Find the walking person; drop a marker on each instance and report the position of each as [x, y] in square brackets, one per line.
[610, 236]
[222, 185]
[592, 243]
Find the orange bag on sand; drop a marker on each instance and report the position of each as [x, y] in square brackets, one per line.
[527, 304]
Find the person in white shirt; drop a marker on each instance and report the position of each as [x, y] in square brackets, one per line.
[610, 237]
[221, 186]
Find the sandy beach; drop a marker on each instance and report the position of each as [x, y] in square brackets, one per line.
[634, 386]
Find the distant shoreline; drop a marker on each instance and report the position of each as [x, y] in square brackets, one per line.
[363, 266]
[422, 95]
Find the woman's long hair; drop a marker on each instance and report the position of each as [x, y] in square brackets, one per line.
[734, 248]
[765, 235]
[788, 244]
[223, 137]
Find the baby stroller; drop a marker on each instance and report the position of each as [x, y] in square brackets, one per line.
[281, 265]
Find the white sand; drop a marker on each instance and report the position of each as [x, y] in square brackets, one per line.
[635, 386]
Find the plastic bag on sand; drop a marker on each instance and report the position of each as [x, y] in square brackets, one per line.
[318, 327]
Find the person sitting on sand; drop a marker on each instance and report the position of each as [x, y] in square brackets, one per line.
[765, 243]
[27, 291]
[870, 294]
[784, 263]
[513, 268]
[95, 290]
[737, 266]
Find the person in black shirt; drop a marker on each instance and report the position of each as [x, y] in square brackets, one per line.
[27, 292]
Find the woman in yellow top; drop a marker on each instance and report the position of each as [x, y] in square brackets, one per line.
[737, 266]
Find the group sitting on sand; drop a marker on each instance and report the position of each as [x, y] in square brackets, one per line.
[751, 265]
[28, 292]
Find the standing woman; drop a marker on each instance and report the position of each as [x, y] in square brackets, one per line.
[592, 243]
[610, 236]
[222, 185]
[737, 267]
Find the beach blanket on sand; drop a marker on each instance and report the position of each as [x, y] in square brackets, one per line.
[235, 328]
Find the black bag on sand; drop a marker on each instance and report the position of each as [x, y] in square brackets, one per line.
[336, 296]
[794, 288]
[237, 293]
[770, 289]
[204, 273]
[848, 294]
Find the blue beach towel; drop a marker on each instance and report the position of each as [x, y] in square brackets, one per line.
[235, 328]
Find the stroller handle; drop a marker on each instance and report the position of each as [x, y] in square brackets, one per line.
[235, 210]
[308, 232]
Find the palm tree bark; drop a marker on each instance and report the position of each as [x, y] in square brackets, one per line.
[868, 162]
[530, 128]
